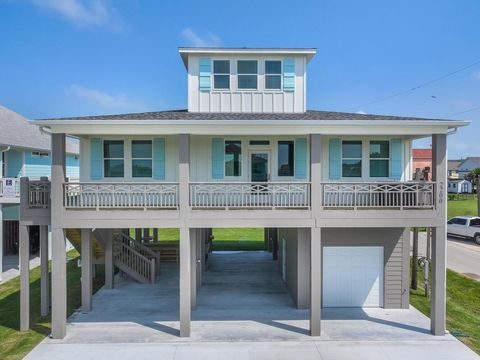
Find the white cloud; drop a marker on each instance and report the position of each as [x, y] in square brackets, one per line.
[209, 40]
[476, 75]
[81, 12]
[361, 112]
[119, 102]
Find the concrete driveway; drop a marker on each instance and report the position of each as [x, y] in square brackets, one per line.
[244, 312]
[463, 256]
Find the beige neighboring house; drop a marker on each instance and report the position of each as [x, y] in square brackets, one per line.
[333, 190]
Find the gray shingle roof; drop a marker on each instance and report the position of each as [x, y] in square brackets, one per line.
[185, 115]
[17, 131]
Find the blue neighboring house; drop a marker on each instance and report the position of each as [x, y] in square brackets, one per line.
[24, 151]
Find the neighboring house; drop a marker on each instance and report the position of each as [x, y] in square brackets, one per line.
[422, 160]
[25, 151]
[453, 168]
[468, 165]
[460, 187]
[334, 189]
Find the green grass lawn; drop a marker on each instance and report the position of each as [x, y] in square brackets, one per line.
[225, 239]
[15, 344]
[463, 307]
[467, 207]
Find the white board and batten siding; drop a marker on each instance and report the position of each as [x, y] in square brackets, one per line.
[237, 100]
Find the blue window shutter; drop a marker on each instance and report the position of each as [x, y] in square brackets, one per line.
[300, 158]
[96, 158]
[335, 159]
[289, 74]
[159, 158]
[205, 74]
[396, 156]
[218, 158]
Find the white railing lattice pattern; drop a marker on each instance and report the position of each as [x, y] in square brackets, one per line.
[39, 194]
[121, 195]
[400, 195]
[250, 195]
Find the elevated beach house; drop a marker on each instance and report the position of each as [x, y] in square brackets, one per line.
[24, 152]
[334, 190]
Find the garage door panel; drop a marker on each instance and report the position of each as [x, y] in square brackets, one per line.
[352, 276]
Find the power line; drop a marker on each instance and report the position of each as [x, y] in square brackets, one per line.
[462, 112]
[403, 92]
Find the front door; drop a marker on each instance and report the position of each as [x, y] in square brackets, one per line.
[259, 166]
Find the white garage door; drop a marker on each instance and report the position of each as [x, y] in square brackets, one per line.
[353, 276]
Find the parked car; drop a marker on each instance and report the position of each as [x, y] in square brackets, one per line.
[465, 226]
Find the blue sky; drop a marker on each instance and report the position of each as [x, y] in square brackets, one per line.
[79, 57]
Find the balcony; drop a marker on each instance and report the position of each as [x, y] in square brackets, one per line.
[378, 195]
[121, 195]
[247, 195]
[38, 194]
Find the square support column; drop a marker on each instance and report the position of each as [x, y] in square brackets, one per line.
[109, 261]
[316, 174]
[24, 261]
[1, 241]
[439, 238]
[87, 288]
[193, 267]
[44, 274]
[59, 284]
[59, 261]
[198, 256]
[315, 281]
[184, 174]
[185, 282]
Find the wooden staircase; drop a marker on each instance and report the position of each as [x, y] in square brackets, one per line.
[130, 256]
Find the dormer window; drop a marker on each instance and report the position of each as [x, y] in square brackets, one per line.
[273, 75]
[221, 74]
[247, 71]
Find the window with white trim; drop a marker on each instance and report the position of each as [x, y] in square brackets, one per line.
[221, 74]
[286, 158]
[247, 74]
[351, 158]
[273, 74]
[379, 158]
[142, 158]
[113, 158]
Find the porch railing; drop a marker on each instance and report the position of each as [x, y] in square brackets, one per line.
[395, 195]
[16, 184]
[90, 195]
[38, 194]
[248, 195]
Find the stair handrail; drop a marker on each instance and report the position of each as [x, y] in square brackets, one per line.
[140, 247]
[136, 261]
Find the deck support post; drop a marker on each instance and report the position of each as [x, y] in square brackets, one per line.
[44, 275]
[185, 282]
[193, 267]
[439, 235]
[315, 281]
[24, 261]
[109, 261]
[87, 288]
[59, 258]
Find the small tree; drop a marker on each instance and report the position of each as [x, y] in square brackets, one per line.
[473, 175]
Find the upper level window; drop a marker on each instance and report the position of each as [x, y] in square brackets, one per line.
[285, 158]
[221, 74]
[351, 159]
[273, 74]
[379, 158]
[233, 158]
[40, 154]
[247, 71]
[113, 158]
[141, 158]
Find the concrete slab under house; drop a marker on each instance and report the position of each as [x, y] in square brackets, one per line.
[334, 192]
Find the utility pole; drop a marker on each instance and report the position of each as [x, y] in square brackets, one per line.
[478, 195]
[415, 259]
